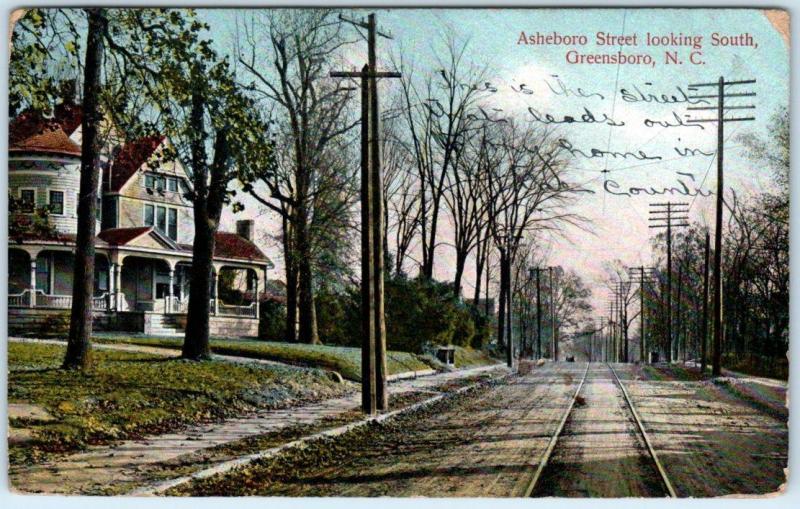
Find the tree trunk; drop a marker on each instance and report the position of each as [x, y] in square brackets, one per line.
[306, 315]
[501, 308]
[80, 326]
[291, 282]
[480, 260]
[208, 203]
[461, 260]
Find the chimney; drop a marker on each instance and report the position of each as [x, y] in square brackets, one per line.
[244, 228]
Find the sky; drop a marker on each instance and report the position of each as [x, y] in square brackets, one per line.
[617, 226]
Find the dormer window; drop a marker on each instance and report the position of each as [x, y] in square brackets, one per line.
[172, 184]
[152, 181]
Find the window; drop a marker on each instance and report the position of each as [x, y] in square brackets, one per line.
[160, 183]
[173, 224]
[172, 184]
[148, 215]
[57, 202]
[43, 263]
[149, 181]
[98, 209]
[161, 219]
[27, 200]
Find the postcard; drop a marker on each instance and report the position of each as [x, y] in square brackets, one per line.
[318, 252]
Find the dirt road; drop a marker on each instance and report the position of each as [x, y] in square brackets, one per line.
[711, 439]
[601, 452]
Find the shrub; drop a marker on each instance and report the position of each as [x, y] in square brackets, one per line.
[272, 323]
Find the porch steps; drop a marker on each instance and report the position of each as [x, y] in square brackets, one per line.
[164, 325]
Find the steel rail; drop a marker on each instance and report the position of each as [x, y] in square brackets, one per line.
[554, 439]
[650, 449]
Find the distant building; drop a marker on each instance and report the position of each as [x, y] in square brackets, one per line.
[144, 235]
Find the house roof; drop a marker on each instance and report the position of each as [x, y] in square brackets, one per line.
[232, 245]
[44, 138]
[130, 158]
[228, 245]
[121, 236]
[30, 132]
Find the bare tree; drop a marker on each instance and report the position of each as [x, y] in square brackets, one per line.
[287, 54]
[526, 192]
[439, 111]
[400, 194]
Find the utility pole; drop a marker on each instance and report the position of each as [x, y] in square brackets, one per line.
[374, 394]
[642, 275]
[679, 345]
[612, 340]
[669, 215]
[721, 109]
[704, 330]
[602, 339]
[553, 333]
[538, 313]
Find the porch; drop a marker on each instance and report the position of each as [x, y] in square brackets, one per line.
[41, 278]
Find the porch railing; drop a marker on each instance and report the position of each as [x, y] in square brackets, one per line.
[102, 302]
[44, 300]
[229, 310]
[19, 300]
[176, 305]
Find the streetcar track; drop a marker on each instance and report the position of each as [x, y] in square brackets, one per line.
[545, 459]
[554, 439]
[646, 437]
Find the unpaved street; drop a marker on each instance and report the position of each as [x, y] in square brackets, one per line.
[488, 443]
[600, 452]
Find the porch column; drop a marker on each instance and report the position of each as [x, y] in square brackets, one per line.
[216, 291]
[32, 301]
[118, 287]
[171, 292]
[112, 268]
[256, 295]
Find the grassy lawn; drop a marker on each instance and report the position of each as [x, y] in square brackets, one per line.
[469, 358]
[345, 360]
[768, 367]
[127, 395]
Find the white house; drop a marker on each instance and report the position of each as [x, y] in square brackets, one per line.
[144, 238]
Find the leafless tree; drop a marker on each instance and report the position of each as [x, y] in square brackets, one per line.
[526, 192]
[439, 111]
[288, 54]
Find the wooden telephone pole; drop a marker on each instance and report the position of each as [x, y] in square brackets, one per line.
[669, 215]
[538, 312]
[553, 333]
[704, 331]
[374, 394]
[642, 275]
[721, 109]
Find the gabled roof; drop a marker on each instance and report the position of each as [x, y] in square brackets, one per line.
[121, 236]
[232, 245]
[130, 158]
